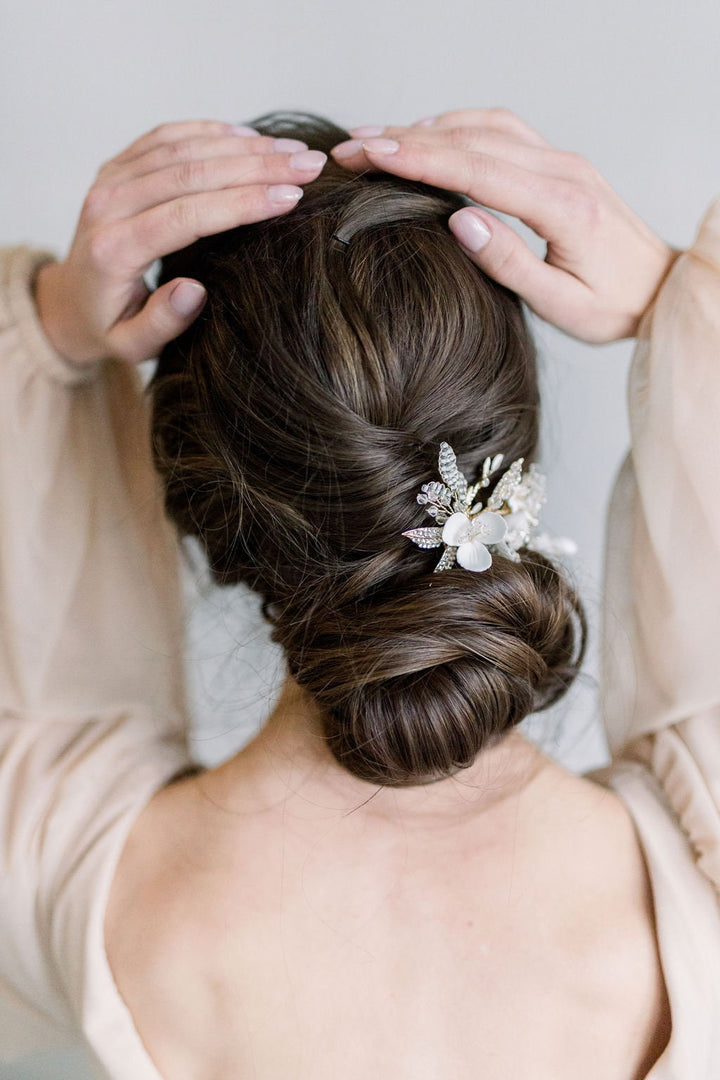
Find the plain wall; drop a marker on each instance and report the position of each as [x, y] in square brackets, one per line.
[631, 85]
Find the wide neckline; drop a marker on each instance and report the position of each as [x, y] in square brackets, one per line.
[687, 922]
[117, 1045]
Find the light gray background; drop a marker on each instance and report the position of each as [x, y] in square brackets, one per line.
[631, 85]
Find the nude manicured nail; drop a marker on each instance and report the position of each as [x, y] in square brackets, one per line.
[308, 160]
[288, 146]
[187, 298]
[367, 131]
[469, 229]
[243, 129]
[284, 193]
[381, 146]
[425, 122]
[347, 149]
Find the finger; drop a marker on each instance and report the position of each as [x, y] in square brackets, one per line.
[131, 245]
[210, 174]
[164, 133]
[492, 119]
[548, 204]
[551, 293]
[168, 311]
[174, 153]
[501, 121]
[542, 159]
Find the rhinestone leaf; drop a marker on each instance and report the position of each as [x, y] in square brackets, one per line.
[448, 468]
[425, 538]
[506, 486]
[447, 560]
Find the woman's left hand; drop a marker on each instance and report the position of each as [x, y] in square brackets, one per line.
[603, 265]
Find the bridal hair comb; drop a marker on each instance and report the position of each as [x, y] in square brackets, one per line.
[472, 532]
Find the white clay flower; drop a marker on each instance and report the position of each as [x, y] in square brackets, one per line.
[470, 535]
[467, 528]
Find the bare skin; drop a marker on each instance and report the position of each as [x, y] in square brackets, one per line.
[275, 917]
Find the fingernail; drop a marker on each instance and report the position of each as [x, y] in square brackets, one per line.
[288, 146]
[469, 229]
[308, 159]
[381, 146]
[284, 193]
[243, 129]
[187, 298]
[426, 122]
[367, 131]
[347, 149]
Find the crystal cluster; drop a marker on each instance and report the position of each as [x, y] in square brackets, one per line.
[470, 531]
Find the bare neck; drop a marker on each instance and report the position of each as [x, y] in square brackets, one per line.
[289, 764]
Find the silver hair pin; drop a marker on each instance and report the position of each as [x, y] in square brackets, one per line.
[472, 532]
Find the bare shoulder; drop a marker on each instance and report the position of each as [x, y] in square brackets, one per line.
[154, 929]
[587, 823]
[608, 914]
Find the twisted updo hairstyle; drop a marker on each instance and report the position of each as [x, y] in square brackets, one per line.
[293, 425]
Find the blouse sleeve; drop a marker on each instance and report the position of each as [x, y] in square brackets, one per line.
[661, 632]
[92, 700]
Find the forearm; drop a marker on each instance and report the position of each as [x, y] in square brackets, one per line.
[662, 620]
[89, 597]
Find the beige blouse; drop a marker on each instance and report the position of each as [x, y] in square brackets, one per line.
[92, 708]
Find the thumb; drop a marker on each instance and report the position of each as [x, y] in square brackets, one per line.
[550, 292]
[167, 312]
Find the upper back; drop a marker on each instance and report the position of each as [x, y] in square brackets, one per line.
[269, 945]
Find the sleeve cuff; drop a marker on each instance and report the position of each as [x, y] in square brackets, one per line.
[18, 267]
[707, 241]
[706, 245]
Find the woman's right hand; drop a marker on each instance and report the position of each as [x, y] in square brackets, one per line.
[173, 185]
[603, 266]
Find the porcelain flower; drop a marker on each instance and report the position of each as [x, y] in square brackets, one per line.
[471, 535]
[467, 529]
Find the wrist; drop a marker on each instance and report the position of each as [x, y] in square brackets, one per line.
[55, 315]
[666, 263]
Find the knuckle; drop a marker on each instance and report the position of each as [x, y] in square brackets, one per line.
[181, 214]
[580, 202]
[482, 167]
[102, 247]
[96, 202]
[176, 149]
[506, 120]
[190, 174]
[508, 264]
[107, 169]
[501, 113]
[457, 136]
[578, 165]
[159, 129]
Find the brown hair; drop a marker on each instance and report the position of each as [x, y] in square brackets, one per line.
[296, 420]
